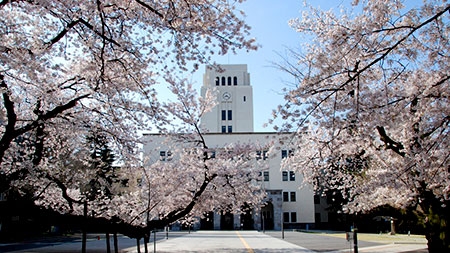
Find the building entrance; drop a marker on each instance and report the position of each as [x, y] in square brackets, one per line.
[267, 216]
[207, 223]
[226, 221]
[247, 222]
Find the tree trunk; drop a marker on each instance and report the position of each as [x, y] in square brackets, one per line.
[108, 245]
[437, 232]
[138, 244]
[116, 244]
[146, 239]
[83, 243]
[437, 216]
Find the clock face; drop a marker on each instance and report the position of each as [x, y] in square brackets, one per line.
[226, 96]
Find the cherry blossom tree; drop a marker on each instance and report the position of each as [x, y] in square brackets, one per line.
[192, 182]
[373, 84]
[69, 67]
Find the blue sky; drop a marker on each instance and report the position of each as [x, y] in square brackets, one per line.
[269, 22]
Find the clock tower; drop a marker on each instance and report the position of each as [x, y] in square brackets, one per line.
[234, 111]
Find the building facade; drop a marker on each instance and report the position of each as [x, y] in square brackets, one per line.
[287, 205]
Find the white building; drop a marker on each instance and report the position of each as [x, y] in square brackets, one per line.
[231, 121]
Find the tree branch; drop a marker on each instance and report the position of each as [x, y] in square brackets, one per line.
[389, 143]
[8, 134]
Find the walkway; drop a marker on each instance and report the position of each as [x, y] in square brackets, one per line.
[257, 242]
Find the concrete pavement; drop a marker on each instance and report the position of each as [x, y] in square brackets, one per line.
[226, 242]
[270, 242]
[223, 242]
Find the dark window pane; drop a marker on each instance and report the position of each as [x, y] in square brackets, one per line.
[224, 114]
[293, 217]
[291, 176]
[284, 176]
[285, 196]
[293, 198]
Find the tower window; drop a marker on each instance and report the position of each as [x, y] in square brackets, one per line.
[229, 80]
[217, 81]
[224, 115]
[245, 98]
[230, 114]
[235, 80]
[224, 129]
[223, 81]
[230, 129]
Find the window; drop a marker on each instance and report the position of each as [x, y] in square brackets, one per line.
[223, 81]
[261, 155]
[230, 129]
[258, 155]
[245, 98]
[217, 81]
[224, 114]
[266, 176]
[293, 217]
[285, 196]
[235, 81]
[291, 176]
[289, 217]
[224, 129]
[285, 217]
[165, 155]
[289, 197]
[284, 175]
[285, 153]
[230, 114]
[293, 197]
[229, 81]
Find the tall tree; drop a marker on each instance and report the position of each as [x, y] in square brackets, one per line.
[374, 80]
[71, 66]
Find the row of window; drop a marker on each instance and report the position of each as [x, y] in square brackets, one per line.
[226, 113]
[260, 154]
[289, 217]
[288, 175]
[226, 80]
[289, 197]
[284, 176]
[225, 128]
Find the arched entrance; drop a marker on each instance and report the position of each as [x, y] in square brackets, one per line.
[207, 222]
[247, 222]
[226, 221]
[267, 216]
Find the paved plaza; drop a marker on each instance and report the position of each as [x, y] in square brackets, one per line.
[271, 242]
[221, 242]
